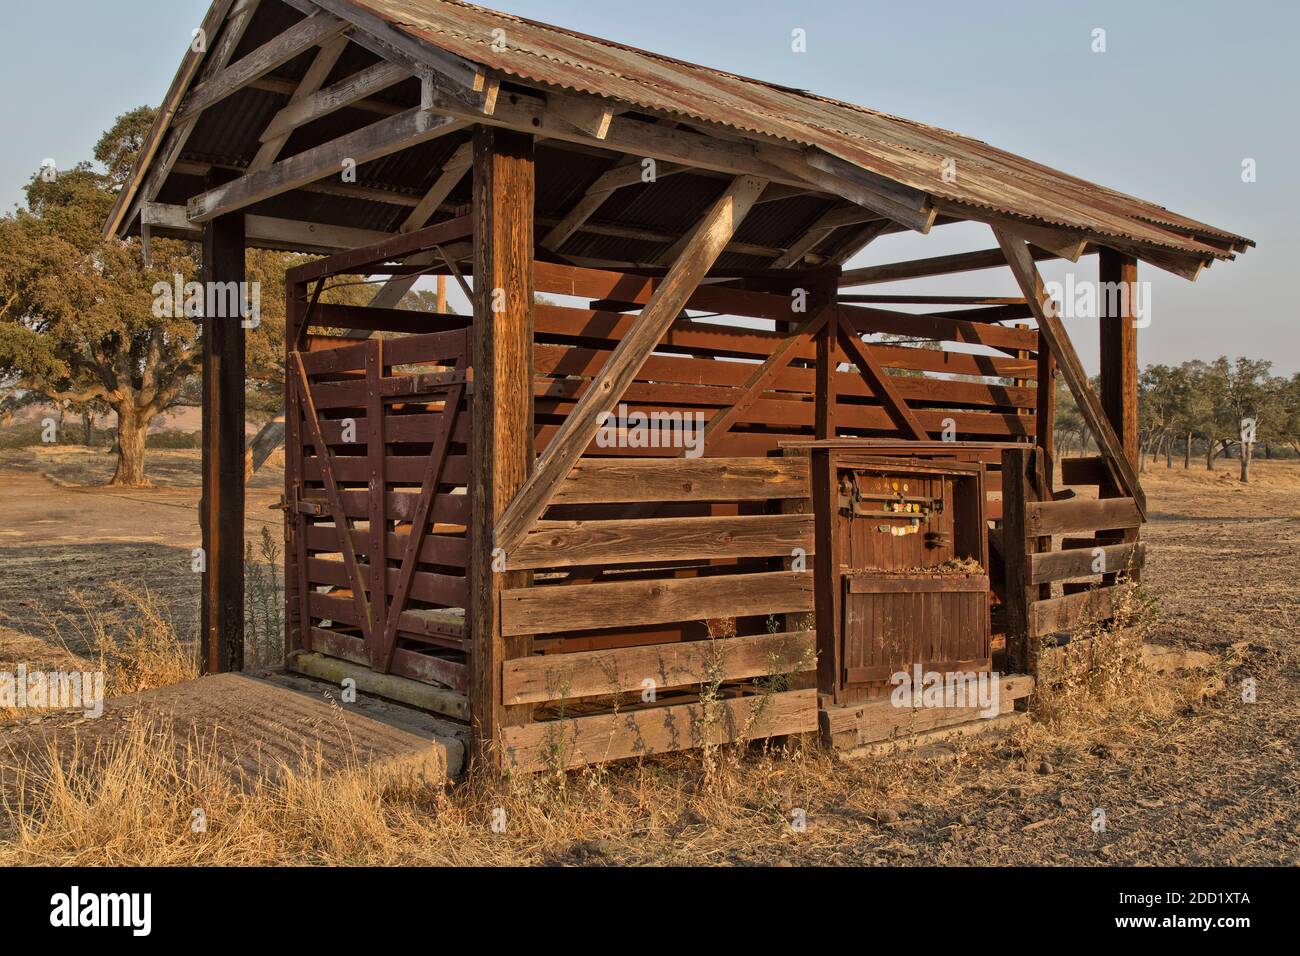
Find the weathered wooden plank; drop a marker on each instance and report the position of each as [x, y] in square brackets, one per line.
[334, 499]
[444, 549]
[666, 303]
[935, 266]
[1084, 471]
[448, 590]
[558, 745]
[1085, 562]
[1081, 514]
[362, 146]
[595, 328]
[1076, 610]
[309, 108]
[566, 544]
[721, 382]
[421, 667]
[863, 319]
[543, 610]
[598, 673]
[881, 720]
[326, 59]
[299, 38]
[627, 480]
[872, 582]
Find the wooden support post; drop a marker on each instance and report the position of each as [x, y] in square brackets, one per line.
[826, 579]
[502, 431]
[1045, 410]
[221, 510]
[1018, 467]
[297, 612]
[1119, 375]
[1119, 370]
[827, 359]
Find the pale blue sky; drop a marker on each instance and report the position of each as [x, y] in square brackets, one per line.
[1185, 91]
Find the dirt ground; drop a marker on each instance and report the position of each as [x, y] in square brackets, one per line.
[1184, 769]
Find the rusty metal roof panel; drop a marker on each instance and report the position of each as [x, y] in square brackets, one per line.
[908, 152]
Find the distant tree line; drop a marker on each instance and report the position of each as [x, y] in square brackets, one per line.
[1202, 410]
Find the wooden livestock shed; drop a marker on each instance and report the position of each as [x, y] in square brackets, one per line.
[836, 487]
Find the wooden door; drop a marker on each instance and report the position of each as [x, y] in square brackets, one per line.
[378, 520]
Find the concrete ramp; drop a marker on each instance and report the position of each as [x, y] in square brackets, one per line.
[258, 726]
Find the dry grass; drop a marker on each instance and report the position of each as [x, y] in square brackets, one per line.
[1167, 755]
[132, 640]
[135, 802]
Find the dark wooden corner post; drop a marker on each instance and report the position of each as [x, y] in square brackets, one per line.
[1019, 468]
[502, 433]
[1119, 368]
[221, 509]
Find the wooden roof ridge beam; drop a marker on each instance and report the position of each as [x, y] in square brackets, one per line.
[346, 92]
[236, 17]
[938, 266]
[299, 38]
[1058, 342]
[326, 58]
[708, 240]
[360, 146]
[877, 379]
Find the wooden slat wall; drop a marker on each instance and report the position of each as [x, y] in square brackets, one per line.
[430, 639]
[695, 368]
[676, 574]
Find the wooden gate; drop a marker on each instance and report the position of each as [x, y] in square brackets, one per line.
[376, 479]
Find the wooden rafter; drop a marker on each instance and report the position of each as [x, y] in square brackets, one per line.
[361, 146]
[666, 303]
[455, 78]
[825, 226]
[1019, 258]
[352, 91]
[878, 380]
[626, 170]
[935, 266]
[237, 20]
[326, 58]
[299, 38]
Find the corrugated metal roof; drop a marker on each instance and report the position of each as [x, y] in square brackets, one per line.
[899, 149]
